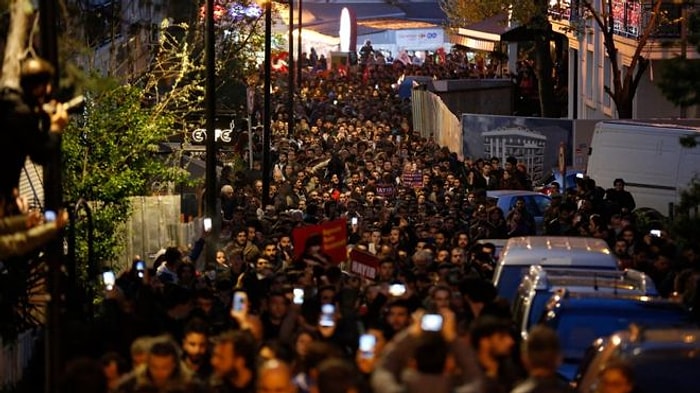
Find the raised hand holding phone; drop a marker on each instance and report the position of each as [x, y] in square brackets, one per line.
[367, 346]
[109, 279]
[326, 322]
[366, 353]
[298, 296]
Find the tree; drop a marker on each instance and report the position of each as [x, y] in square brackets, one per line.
[686, 225]
[543, 59]
[112, 154]
[679, 79]
[462, 13]
[239, 41]
[624, 87]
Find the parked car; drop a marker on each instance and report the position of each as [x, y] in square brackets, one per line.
[545, 186]
[538, 286]
[579, 319]
[549, 251]
[536, 203]
[663, 360]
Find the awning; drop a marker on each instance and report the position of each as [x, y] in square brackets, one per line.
[472, 43]
[484, 35]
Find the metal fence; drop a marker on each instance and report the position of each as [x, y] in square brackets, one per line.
[432, 116]
[15, 357]
[155, 223]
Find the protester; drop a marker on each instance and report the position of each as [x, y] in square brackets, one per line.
[542, 357]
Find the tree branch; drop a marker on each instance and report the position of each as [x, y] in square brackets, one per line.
[639, 73]
[20, 13]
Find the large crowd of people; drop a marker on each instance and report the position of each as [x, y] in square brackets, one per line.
[259, 318]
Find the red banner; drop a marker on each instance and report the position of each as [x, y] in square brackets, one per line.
[331, 235]
[364, 264]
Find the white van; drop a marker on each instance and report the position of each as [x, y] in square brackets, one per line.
[648, 157]
[549, 252]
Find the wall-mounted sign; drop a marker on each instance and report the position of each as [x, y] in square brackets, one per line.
[199, 136]
[419, 37]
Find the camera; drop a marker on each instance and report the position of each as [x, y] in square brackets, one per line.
[207, 224]
[655, 232]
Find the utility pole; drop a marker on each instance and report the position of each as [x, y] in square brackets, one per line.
[290, 104]
[53, 192]
[267, 164]
[210, 104]
[684, 47]
[299, 52]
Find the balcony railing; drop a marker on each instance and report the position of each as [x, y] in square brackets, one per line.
[630, 16]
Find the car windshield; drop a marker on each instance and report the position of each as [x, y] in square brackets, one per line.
[578, 329]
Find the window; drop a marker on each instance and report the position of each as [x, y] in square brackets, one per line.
[589, 74]
[607, 81]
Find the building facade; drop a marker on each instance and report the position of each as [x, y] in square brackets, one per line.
[590, 70]
[529, 146]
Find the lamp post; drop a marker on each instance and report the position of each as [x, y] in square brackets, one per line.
[290, 104]
[299, 75]
[210, 110]
[684, 48]
[267, 164]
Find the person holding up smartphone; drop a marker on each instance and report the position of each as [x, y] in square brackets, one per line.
[21, 234]
[240, 313]
[429, 342]
[371, 345]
